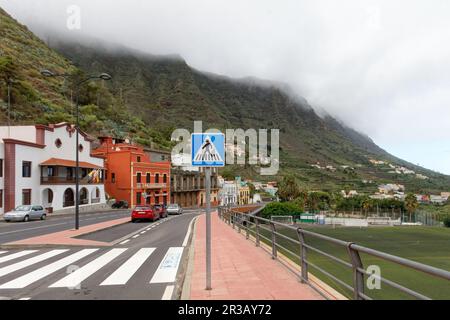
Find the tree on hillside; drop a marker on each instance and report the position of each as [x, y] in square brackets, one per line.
[411, 204]
[288, 189]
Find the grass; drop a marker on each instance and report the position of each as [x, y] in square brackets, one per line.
[428, 245]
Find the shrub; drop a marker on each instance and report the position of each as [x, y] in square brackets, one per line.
[447, 221]
[281, 209]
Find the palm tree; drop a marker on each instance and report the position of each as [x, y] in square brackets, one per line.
[411, 204]
[367, 204]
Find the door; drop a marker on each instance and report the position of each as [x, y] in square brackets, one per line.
[35, 213]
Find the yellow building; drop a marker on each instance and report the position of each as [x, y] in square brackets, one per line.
[244, 195]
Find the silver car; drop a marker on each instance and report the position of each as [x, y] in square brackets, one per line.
[26, 213]
[174, 209]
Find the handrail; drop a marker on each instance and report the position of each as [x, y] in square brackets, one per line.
[247, 220]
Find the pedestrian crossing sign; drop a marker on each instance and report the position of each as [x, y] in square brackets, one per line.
[208, 149]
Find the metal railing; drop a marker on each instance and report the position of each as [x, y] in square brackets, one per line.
[250, 222]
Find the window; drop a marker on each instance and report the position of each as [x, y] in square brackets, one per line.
[113, 177]
[26, 197]
[157, 178]
[138, 159]
[138, 177]
[138, 197]
[51, 172]
[26, 169]
[147, 178]
[58, 143]
[1, 168]
[165, 178]
[1, 198]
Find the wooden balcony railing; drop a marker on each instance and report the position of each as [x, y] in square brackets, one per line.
[67, 180]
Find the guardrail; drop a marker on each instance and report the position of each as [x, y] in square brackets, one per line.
[245, 221]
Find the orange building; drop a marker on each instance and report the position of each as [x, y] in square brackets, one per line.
[131, 174]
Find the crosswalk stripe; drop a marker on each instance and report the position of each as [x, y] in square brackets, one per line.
[26, 263]
[2, 252]
[129, 268]
[167, 295]
[76, 277]
[38, 274]
[168, 268]
[16, 255]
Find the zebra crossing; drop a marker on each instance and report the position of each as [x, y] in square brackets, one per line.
[29, 267]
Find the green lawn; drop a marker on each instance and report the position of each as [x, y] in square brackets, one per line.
[428, 245]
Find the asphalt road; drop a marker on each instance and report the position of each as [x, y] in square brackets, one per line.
[14, 231]
[149, 264]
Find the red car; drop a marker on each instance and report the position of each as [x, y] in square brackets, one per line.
[162, 210]
[145, 213]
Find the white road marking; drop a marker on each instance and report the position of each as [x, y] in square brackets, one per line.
[188, 233]
[41, 273]
[134, 237]
[168, 293]
[126, 241]
[168, 268]
[129, 268]
[76, 277]
[26, 263]
[143, 232]
[24, 298]
[2, 252]
[16, 255]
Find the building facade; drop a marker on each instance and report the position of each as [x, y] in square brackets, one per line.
[229, 194]
[37, 166]
[188, 187]
[134, 174]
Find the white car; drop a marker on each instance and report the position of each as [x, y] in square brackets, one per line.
[26, 213]
[174, 209]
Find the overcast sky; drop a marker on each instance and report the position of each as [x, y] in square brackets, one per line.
[383, 67]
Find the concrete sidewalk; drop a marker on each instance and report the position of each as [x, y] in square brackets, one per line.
[240, 271]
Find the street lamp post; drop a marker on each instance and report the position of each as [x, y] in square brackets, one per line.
[102, 76]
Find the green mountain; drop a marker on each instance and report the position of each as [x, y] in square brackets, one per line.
[151, 95]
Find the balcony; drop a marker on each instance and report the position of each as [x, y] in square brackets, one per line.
[151, 185]
[67, 180]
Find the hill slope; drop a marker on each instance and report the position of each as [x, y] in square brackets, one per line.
[151, 95]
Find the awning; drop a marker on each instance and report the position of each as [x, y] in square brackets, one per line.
[69, 163]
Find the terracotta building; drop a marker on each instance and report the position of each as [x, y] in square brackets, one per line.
[134, 174]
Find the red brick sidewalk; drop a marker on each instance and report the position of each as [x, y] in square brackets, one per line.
[241, 271]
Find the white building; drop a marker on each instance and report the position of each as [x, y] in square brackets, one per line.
[229, 194]
[38, 167]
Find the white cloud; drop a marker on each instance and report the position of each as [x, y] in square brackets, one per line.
[381, 66]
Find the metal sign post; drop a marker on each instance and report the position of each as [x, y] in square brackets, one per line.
[208, 151]
[208, 227]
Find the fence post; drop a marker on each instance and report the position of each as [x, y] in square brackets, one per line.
[274, 241]
[303, 256]
[247, 226]
[358, 277]
[257, 231]
[239, 222]
[234, 219]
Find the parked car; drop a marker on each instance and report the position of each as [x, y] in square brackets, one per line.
[120, 205]
[162, 210]
[145, 213]
[174, 209]
[26, 213]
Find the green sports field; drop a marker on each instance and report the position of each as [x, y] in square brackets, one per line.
[428, 245]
